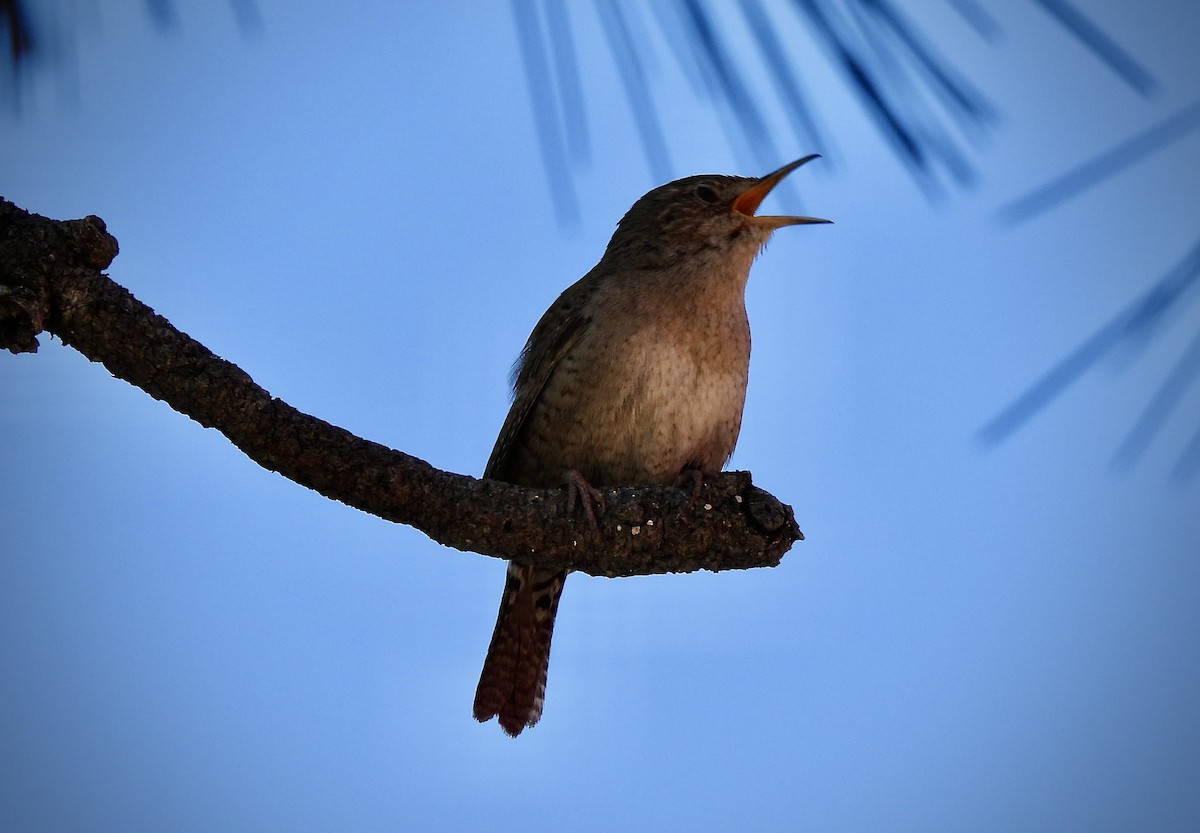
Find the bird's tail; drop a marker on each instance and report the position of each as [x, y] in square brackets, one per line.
[512, 685]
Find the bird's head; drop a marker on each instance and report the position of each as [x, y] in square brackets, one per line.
[701, 213]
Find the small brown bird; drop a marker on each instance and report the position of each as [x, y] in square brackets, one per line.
[635, 375]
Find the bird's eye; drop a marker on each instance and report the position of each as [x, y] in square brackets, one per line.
[707, 194]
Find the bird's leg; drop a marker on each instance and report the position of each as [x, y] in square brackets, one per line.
[588, 495]
[692, 476]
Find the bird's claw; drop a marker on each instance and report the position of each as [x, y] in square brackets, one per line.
[590, 498]
[693, 476]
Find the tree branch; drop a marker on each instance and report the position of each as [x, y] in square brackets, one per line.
[51, 281]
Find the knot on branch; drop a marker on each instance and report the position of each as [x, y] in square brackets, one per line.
[93, 246]
[33, 251]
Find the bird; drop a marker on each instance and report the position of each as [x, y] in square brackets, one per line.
[636, 374]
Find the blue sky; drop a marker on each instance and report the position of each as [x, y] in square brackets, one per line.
[352, 207]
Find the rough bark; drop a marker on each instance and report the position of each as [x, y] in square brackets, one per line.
[51, 280]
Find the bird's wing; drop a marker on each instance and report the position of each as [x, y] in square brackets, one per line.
[558, 331]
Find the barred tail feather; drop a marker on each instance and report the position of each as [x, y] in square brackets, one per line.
[512, 685]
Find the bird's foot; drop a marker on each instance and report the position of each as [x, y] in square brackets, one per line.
[589, 497]
[693, 476]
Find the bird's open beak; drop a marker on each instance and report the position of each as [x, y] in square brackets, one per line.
[748, 201]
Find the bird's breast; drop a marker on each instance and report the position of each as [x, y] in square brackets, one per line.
[686, 409]
[653, 403]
